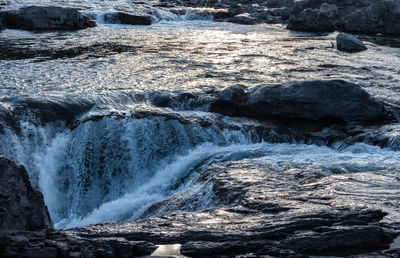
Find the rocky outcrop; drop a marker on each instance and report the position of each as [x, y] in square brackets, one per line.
[45, 18]
[264, 215]
[349, 43]
[321, 101]
[363, 16]
[22, 206]
[379, 17]
[310, 20]
[26, 228]
[127, 18]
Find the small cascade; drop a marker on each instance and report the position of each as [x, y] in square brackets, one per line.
[112, 162]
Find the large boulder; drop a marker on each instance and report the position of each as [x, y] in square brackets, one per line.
[127, 18]
[379, 17]
[45, 18]
[321, 101]
[310, 20]
[361, 16]
[349, 43]
[21, 206]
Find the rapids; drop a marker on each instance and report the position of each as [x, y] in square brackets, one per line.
[113, 124]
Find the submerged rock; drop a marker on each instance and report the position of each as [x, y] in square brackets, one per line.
[244, 18]
[127, 18]
[322, 101]
[350, 43]
[45, 18]
[22, 206]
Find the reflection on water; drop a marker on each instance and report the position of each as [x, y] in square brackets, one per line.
[185, 56]
[168, 251]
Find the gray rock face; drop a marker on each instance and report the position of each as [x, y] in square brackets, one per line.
[45, 18]
[299, 220]
[349, 43]
[127, 18]
[278, 3]
[26, 229]
[321, 101]
[310, 20]
[378, 17]
[330, 10]
[22, 207]
[362, 16]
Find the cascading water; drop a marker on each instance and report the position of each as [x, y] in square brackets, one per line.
[112, 169]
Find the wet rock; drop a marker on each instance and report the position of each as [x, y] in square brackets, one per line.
[278, 3]
[343, 241]
[222, 15]
[54, 243]
[22, 206]
[120, 247]
[349, 43]
[330, 10]
[379, 17]
[313, 223]
[45, 18]
[235, 93]
[363, 16]
[207, 249]
[127, 18]
[310, 20]
[244, 18]
[323, 101]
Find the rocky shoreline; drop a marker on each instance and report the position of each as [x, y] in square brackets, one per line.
[362, 16]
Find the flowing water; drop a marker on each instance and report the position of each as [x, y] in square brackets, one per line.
[111, 120]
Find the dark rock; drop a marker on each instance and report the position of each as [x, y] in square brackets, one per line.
[310, 20]
[344, 241]
[330, 10]
[22, 207]
[362, 16]
[45, 18]
[349, 43]
[278, 3]
[207, 249]
[379, 17]
[120, 247]
[222, 15]
[327, 102]
[127, 18]
[234, 94]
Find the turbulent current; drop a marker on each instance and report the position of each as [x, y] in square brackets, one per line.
[113, 123]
